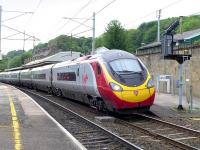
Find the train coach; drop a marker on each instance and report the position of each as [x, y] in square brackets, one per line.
[112, 80]
[41, 78]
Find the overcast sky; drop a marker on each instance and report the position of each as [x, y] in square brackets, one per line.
[47, 21]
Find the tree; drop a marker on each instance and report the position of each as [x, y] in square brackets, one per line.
[14, 53]
[115, 36]
[99, 41]
[26, 55]
[68, 43]
[131, 40]
[15, 62]
[3, 63]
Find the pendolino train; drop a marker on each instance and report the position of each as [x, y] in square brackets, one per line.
[112, 80]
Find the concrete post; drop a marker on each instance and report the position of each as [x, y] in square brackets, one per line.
[0, 30]
[180, 106]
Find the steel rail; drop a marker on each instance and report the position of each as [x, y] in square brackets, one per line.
[157, 135]
[171, 141]
[196, 132]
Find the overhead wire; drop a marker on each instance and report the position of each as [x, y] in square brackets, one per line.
[11, 35]
[91, 16]
[8, 11]
[19, 31]
[82, 32]
[22, 13]
[29, 20]
[105, 7]
[15, 17]
[72, 19]
[36, 8]
[79, 11]
[171, 4]
[149, 14]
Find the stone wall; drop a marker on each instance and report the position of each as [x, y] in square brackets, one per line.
[191, 69]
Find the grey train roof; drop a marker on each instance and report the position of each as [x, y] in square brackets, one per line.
[112, 54]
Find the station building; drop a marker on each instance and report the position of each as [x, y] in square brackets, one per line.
[185, 43]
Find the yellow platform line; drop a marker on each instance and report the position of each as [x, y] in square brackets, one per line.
[15, 125]
[4, 126]
[195, 118]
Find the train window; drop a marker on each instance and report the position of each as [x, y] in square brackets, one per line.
[126, 65]
[98, 69]
[39, 76]
[66, 76]
[13, 76]
[26, 76]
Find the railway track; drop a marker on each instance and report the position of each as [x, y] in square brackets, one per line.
[182, 137]
[151, 133]
[90, 134]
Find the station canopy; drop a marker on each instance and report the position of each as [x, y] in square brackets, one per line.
[185, 37]
[59, 57]
[188, 36]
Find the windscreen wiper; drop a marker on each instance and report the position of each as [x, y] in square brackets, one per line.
[126, 72]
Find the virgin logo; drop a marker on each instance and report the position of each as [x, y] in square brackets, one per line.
[135, 92]
[84, 79]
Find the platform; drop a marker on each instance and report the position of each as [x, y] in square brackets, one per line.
[165, 105]
[25, 125]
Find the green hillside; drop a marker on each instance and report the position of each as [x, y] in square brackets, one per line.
[147, 32]
[66, 43]
[14, 59]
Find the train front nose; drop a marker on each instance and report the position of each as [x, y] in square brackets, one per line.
[143, 96]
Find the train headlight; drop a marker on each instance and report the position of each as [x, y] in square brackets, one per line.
[115, 87]
[150, 83]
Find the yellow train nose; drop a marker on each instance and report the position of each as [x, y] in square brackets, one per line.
[135, 95]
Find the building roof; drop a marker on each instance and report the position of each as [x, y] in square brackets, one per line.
[59, 57]
[188, 36]
[154, 44]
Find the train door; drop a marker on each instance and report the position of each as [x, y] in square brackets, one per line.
[99, 73]
[83, 77]
[77, 71]
[18, 78]
[31, 78]
[51, 76]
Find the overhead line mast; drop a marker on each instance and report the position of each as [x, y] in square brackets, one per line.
[0, 31]
[158, 32]
[91, 28]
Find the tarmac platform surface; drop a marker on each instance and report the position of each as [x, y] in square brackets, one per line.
[25, 125]
[165, 105]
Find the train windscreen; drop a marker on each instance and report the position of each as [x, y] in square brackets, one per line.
[128, 72]
[125, 65]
